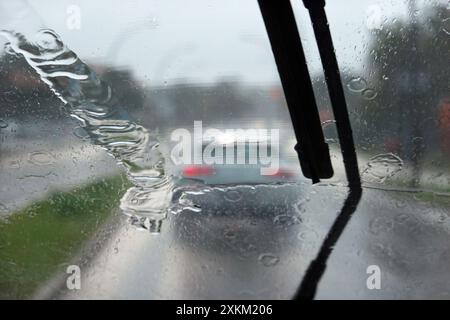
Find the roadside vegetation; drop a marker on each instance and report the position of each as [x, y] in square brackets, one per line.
[43, 237]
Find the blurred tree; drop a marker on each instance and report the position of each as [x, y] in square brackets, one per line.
[409, 60]
[24, 95]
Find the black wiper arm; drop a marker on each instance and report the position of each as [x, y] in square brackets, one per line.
[312, 149]
[333, 79]
[317, 267]
[283, 34]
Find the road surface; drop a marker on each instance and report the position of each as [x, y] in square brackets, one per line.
[245, 243]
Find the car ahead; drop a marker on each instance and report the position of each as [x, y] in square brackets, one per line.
[240, 163]
[243, 198]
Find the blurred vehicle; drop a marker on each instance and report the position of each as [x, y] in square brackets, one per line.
[247, 167]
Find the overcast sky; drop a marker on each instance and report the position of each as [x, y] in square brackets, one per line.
[199, 40]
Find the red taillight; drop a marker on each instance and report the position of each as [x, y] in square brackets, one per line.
[283, 173]
[195, 171]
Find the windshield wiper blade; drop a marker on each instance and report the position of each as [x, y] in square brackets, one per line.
[317, 267]
[290, 59]
[333, 79]
[312, 149]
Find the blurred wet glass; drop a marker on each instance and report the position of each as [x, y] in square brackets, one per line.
[211, 61]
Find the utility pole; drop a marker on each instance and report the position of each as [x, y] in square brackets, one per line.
[416, 91]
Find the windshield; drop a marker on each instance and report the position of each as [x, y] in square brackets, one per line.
[147, 147]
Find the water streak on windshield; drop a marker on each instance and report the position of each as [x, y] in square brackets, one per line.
[93, 102]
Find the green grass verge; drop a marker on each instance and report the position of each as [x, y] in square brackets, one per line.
[41, 238]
